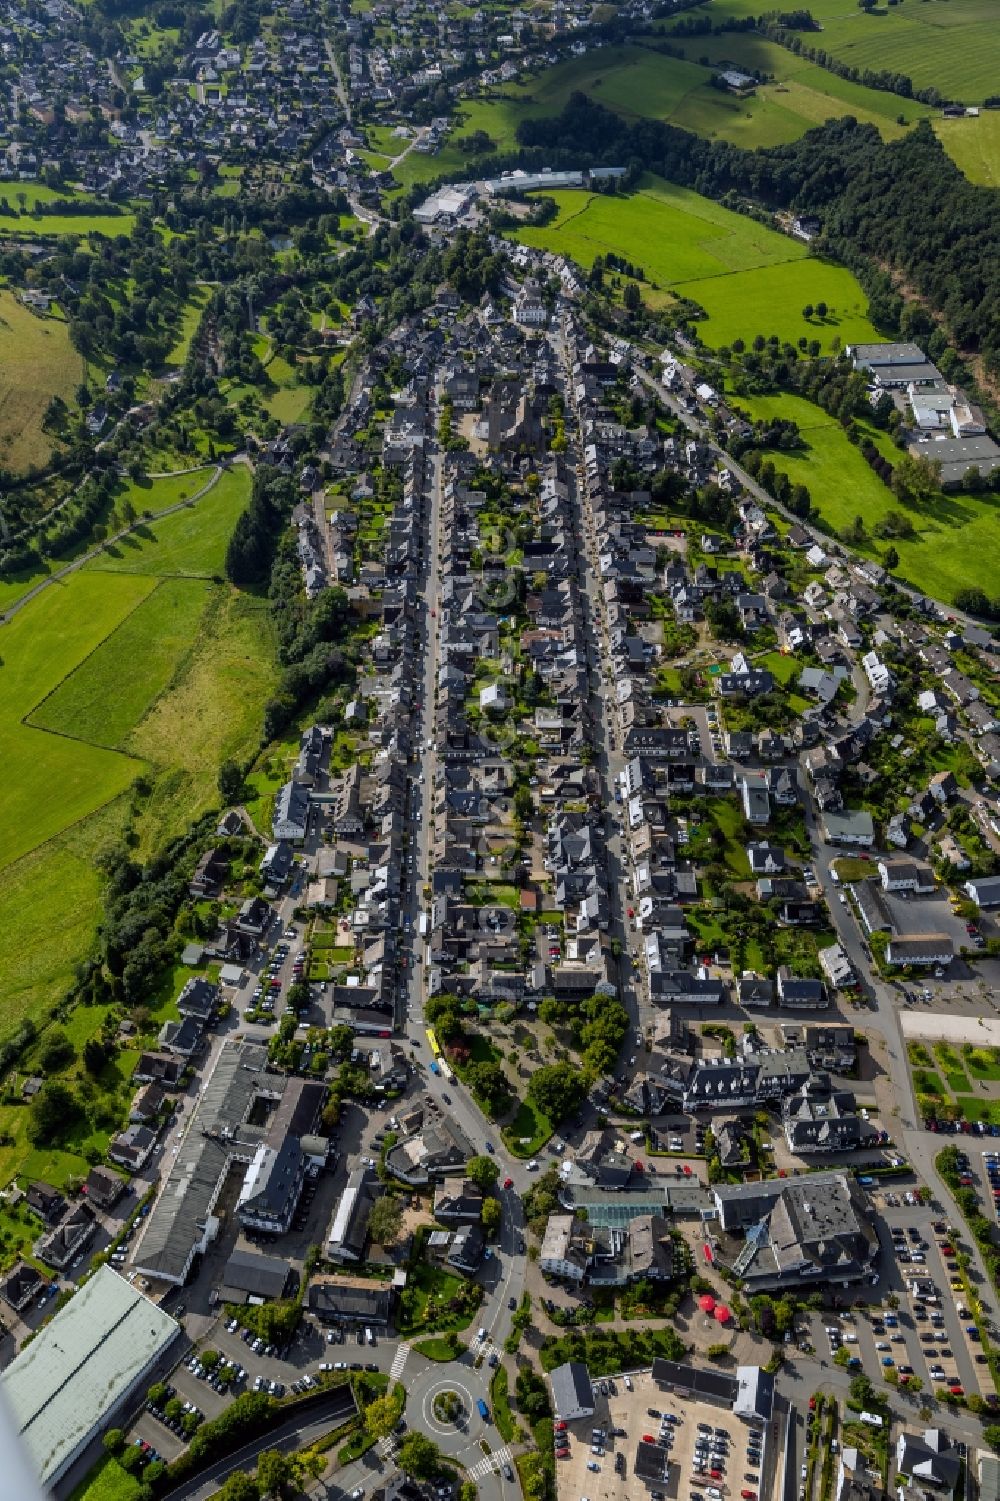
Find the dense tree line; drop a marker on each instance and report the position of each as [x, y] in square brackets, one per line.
[252, 545]
[315, 648]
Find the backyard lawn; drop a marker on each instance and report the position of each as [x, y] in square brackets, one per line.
[424, 1301]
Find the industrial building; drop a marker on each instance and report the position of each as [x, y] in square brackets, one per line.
[83, 1369]
[246, 1118]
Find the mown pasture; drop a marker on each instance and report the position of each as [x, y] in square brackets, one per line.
[948, 45]
[748, 278]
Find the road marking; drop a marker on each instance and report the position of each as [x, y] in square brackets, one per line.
[398, 1362]
[491, 1465]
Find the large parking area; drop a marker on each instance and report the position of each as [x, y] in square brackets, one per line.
[642, 1441]
[928, 1334]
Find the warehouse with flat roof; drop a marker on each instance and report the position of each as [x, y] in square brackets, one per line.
[79, 1373]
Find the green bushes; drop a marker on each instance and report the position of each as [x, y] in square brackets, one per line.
[608, 1351]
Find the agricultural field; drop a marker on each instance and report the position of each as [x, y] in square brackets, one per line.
[48, 908]
[797, 96]
[191, 542]
[637, 81]
[210, 712]
[54, 781]
[739, 305]
[673, 234]
[949, 45]
[973, 144]
[209, 665]
[37, 362]
[955, 536]
[105, 697]
[739, 271]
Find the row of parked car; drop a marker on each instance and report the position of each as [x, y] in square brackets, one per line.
[257, 1345]
[188, 1411]
[221, 1377]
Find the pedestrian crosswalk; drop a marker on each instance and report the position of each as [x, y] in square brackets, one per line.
[398, 1362]
[492, 1464]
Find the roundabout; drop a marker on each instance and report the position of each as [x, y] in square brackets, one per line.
[447, 1408]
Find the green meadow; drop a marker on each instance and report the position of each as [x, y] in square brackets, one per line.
[190, 542]
[105, 698]
[638, 82]
[78, 723]
[673, 234]
[797, 95]
[950, 45]
[742, 273]
[770, 300]
[973, 143]
[37, 362]
[53, 781]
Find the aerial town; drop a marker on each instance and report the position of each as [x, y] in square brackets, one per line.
[502, 888]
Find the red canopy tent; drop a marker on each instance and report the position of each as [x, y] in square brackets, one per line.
[706, 1303]
[722, 1313]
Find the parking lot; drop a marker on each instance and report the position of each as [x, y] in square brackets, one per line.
[926, 1336]
[641, 1440]
[309, 1350]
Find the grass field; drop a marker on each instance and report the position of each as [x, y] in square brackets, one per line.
[674, 234]
[770, 299]
[739, 271]
[53, 781]
[974, 146]
[17, 223]
[212, 711]
[207, 656]
[191, 542]
[37, 362]
[954, 545]
[105, 698]
[28, 227]
[798, 95]
[48, 908]
[637, 81]
[945, 44]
